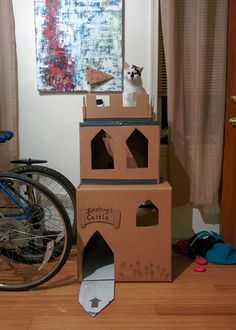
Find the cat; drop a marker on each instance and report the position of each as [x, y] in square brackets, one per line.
[133, 84]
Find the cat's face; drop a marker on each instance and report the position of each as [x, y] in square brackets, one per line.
[132, 72]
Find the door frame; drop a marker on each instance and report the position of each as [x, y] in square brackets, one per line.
[228, 200]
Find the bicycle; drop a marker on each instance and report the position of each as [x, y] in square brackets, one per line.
[55, 182]
[35, 231]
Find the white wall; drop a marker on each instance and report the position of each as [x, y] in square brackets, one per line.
[49, 124]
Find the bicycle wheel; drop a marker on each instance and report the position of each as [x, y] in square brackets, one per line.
[35, 233]
[56, 183]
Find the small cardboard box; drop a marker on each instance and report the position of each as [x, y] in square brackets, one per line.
[120, 151]
[134, 223]
[116, 110]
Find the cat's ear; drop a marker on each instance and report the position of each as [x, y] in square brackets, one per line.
[141, 69]
[126, 65]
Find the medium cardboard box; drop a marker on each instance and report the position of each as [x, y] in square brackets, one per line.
[120, 151]
[129, 223]
[115, 110]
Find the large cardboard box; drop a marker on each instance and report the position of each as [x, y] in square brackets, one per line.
[133, 222]
[120, 151]
[115, 110]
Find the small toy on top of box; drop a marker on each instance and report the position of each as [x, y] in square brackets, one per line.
[116, 110]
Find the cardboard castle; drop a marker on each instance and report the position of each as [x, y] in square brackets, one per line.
[123, 209]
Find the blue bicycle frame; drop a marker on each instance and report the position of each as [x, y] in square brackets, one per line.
[12, 193]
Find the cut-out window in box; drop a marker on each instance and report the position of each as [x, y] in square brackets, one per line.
[147, 215]
[98, 258]
[102, 100]
[102, 151]
[137, 150]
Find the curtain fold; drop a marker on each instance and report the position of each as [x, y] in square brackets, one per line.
[8, 84]
[195, 43]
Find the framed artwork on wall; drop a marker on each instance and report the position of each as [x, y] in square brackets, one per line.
[72, 35]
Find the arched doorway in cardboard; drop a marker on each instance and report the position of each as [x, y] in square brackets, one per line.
[147, 214]
[137, 150]
[98, 259]
[102, 151]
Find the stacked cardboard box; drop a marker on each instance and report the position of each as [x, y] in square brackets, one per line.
[121, 200]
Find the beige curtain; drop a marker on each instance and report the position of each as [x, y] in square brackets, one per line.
[8, 84]
[195, 43]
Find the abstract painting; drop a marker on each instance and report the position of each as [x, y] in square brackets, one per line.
[71, 35]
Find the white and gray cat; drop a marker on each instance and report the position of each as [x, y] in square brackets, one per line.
[133, 84]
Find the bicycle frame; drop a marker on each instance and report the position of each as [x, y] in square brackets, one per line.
[11, 192]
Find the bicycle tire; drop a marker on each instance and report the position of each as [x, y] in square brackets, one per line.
[68, 199]
[32, 251]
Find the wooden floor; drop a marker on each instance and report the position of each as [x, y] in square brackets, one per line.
[192, 301]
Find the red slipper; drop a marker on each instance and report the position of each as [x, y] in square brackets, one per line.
[199, 268]
[201, 261]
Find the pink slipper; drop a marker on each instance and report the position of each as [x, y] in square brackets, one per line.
[199, 268]
[201, 261]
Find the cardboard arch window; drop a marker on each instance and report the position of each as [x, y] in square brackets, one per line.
[97, 256]
[147, 215]
[102, 151]
[137, 150]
